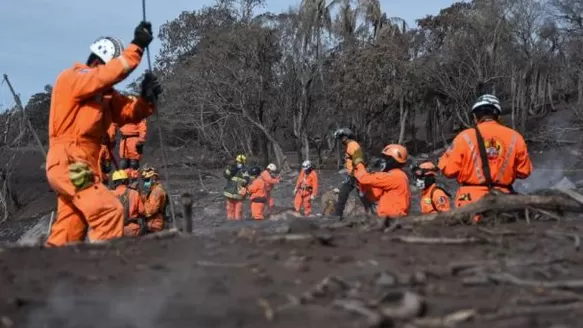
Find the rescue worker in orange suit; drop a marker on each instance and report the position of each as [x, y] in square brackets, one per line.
[133, 205]
[391, 180]
[352, 149]
[271, 179]
[257, 192]
[155, 200]
[106, 153]
[237, 179]
[131, 147]
[494, 163]
[434, 198]
[306, 188]
[83, 105]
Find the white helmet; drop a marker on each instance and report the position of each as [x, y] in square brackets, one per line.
[107, 48]
[490, 101]
[271, 167]
[306, 165]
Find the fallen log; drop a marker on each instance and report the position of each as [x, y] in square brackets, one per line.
[528, 311]
[506, 202]
[513, 280]
[438, 240]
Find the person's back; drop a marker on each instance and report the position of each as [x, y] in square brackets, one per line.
[395, 199]
[505, 152]
[434, 199]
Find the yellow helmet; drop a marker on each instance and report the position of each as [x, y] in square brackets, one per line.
[149, 172]
[241, 159]
[119, 175]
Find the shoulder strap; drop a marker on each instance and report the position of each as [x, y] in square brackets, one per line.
[124, 198]
[484, 158]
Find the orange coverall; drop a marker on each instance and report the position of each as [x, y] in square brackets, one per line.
[396, 194]
[154, 206]
[106, 151]
[270, 182]
[258, 196]
[135, 209]
[433, 200]
[132, 134]
[507, 157]
[78, 121]
[306, 186]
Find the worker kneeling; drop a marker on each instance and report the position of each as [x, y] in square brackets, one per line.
[133, 205]
[390, 183]
[155, 200]
[306, 188]
[434, 198]
[257, 191]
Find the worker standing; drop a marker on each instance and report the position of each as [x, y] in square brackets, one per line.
[83, 105]
[391, 182]
[434, 198]
[269, 175]
[106, 153]
[237, 179]
[155, 200]
[131, 147]
[306, 188]
[133, 205]
[257, 192]
[489, 156]
[351, 149]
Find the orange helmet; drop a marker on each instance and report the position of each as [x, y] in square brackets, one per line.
[425, 169]
[398, 152]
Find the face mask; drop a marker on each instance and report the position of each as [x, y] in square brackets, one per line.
[420, 183]
[148, 184]
[239, 165]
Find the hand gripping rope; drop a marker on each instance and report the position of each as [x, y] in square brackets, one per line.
[162, 148]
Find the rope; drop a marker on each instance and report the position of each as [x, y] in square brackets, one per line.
[162, 148]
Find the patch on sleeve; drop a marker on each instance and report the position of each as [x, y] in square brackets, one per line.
[427, 200]
[441, 200]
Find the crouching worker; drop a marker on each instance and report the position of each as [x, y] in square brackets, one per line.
[257, 191]
[306, 188]
[271, 179]
[133, 205]
[237, 179]
[155, 200]
[390, 183]
[434, 198]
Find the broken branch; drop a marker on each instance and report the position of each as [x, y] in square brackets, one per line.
[438, 241]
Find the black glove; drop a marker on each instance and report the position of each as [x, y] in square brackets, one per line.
[140, 148]
[151, 88]
[143, 35]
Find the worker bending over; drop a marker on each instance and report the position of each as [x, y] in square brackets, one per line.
[306, 188]
[155, 200]
[257, 191]
[133, 205]
[270, 177]
[434, 198]
[351, 149]
[391, 182]
[489, 156]
[131, 147]
[83, 105]
[237, 179]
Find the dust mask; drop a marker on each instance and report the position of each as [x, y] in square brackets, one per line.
[148, 184]
[420, 183]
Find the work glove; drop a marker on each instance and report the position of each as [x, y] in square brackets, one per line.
[295, 191]
[357, 158]
[140, 148]
[80, 175]
[151, 88]
[143, 35]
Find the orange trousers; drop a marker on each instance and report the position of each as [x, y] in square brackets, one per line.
[234, 209]
[95, 207]
[257, 211]
[303, 200]
[471, 194]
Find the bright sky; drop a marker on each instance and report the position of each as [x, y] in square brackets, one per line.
[39, 38]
